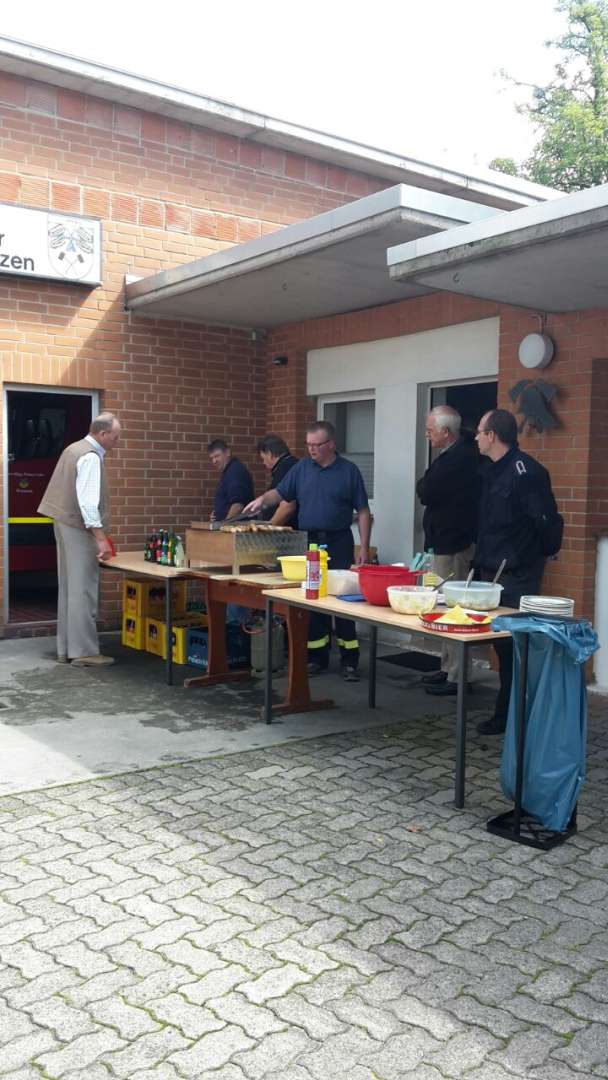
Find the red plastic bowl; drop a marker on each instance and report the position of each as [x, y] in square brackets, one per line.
[374, 581]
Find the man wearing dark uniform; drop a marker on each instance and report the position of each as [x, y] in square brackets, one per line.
[517, 510]
[235, 487]
[327, 488]
[276, 457]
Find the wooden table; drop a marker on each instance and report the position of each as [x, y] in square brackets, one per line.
[384, 616]
[222, 588]
[250, 591]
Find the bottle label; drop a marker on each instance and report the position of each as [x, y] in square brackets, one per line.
[313, 579]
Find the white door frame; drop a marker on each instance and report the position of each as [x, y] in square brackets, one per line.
[26, 388]
[342, 396]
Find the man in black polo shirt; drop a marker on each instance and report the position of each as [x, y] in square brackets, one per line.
[327, 488]
[235, 487]
[276, 457]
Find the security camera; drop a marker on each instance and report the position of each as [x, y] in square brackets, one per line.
[280, 361]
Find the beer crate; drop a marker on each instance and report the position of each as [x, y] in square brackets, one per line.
[143, 598]
[133, 628]
[156, 636]
[238, 647]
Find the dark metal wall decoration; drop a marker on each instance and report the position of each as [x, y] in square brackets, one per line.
[535, 397]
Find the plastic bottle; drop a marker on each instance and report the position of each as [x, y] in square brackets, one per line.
[430, 577]
[313, 573]
[324, 559]
[180, 555]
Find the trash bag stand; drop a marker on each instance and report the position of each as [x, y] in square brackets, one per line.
[516, 824]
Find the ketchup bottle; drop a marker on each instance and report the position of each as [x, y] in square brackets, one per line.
[313, 572]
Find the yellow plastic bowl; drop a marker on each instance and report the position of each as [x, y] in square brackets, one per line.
[293, 567]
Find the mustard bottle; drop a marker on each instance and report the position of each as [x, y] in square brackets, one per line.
[323, 576]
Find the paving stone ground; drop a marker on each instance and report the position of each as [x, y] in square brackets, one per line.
[311, 911]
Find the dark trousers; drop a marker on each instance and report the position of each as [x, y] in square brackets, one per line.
[524, 582]
[341, 551]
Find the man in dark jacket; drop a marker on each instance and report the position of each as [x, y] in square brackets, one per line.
[277, 458]
[449, 492]
[235, 486]
[517, 519]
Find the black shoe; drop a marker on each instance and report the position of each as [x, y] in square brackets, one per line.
[433, 678]
[446, 689]
[315, 669]
[494, 726]
[349, 674]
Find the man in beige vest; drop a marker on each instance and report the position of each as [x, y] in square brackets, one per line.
[77, 501]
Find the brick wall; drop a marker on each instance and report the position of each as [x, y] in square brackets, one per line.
[575, 453]
[166, 193]
[169, 192]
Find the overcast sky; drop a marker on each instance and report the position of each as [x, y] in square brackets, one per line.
[415, 76]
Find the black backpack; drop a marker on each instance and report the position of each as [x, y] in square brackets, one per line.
[551, 532]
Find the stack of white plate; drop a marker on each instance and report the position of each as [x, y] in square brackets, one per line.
[558, 606]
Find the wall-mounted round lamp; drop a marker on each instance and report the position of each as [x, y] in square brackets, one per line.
[280, 361]
[536, 351]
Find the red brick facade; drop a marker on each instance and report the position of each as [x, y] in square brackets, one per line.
[167, 193]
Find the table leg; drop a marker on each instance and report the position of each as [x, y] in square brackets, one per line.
[298, 697]
[217, 658]
[268, 662]
[371, 678]
[461, 725]
[521, 733]
[169, 630]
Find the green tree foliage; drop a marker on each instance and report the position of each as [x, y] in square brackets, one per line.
[505, 165]
[571, 113]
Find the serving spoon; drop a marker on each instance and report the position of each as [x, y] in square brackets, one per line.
[499, 571]
[467, 583]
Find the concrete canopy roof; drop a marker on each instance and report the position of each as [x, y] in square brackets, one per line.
[552, 257]
[138, 92]
[326, 265]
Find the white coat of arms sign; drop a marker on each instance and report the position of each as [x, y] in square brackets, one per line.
[46, 244]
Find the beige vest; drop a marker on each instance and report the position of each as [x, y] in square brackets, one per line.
[59, 500]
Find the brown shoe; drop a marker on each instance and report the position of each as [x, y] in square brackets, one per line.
[93, 661]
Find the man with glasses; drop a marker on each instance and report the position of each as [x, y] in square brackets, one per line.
[517, 510]
[326, 488]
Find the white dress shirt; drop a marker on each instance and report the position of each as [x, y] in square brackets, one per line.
[88, 484]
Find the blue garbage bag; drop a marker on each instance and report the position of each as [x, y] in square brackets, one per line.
[556, 715]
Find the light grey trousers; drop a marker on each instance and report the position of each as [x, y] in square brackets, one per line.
[78, 589]
[460, 563]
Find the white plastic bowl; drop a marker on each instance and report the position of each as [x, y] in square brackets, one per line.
[479, 596]
[412, 599]
[342, 582]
